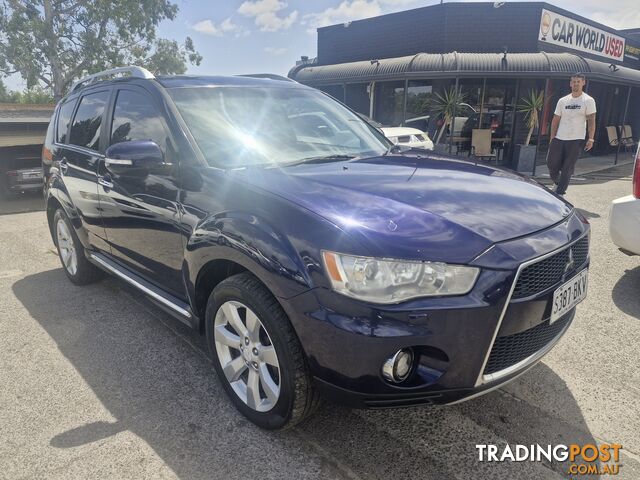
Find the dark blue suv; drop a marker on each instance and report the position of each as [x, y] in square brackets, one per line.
[318, 259]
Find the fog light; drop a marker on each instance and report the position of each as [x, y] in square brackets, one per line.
[398, 367]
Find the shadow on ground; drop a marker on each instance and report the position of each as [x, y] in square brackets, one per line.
[21, 203]
[626, 293]
[151, 374]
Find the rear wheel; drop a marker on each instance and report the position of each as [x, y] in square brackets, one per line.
[257, 355]
[71, 252]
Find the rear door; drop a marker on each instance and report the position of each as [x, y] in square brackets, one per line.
[140, 210]
[77, 154]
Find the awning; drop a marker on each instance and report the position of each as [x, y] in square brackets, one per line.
[434, 65]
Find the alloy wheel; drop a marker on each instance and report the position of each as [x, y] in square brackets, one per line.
[67, 248]
[247, 356]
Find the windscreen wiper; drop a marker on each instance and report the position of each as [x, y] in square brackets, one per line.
[320, 159]
[397, 149]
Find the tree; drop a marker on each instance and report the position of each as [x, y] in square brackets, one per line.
[35, 94]
[446, 104]
[531, 106]
[54, 42]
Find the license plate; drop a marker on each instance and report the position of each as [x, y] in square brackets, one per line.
[569, 295]
[31, 175]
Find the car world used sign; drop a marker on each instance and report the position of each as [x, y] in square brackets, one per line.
[569, 33]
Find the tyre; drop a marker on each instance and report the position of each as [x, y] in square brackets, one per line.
[71, 252]
[257, 355]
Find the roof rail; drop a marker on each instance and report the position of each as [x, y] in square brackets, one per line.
[134, 71]
[271, 76]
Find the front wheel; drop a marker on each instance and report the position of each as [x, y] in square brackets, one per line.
[257, 355]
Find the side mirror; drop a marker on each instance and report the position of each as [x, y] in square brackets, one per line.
[136, 155]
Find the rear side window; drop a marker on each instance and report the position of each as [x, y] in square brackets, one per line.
[66, 110]
[85, 130]
[136, 118]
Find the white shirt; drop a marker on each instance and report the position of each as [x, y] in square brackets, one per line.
[573, 113]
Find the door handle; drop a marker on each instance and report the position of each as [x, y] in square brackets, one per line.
[63, 165]
[105, 181]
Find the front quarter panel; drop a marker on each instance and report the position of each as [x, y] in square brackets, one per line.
[279, 242]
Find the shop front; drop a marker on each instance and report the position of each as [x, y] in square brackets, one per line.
[449, 95]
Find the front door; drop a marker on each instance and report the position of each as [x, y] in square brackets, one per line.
[140, 209]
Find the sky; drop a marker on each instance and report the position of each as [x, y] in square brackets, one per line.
[249, 36]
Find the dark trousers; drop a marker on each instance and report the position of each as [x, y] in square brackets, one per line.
[561, 160]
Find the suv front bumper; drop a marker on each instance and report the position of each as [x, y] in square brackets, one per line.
[464, 346]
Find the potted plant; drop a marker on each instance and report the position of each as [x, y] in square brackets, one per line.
[444, 105]
[531, 105]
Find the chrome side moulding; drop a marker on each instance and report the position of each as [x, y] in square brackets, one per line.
[97, 258]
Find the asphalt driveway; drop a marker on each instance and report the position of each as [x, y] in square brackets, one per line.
[95, 382]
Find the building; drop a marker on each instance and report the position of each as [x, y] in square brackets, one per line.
[22, 131]
[488, 57]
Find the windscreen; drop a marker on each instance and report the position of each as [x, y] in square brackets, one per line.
[243, 126]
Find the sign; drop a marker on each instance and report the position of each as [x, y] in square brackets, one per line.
[569, 33]
[632, 52]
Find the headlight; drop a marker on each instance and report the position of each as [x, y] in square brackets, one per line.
[392, 281]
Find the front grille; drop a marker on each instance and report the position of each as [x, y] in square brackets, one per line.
[511, 349]
[544, 274]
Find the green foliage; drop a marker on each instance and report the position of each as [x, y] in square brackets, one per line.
[531, 105]
[445, 104]
[36, 94]
[54, 42]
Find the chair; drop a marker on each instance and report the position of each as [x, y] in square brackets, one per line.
[612, 134]
[627, 138]
[481, 144]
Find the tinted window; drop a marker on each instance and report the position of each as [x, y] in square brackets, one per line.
[85, 130]
[136, 118]
[66, 110]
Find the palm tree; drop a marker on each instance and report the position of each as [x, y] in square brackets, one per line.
[531, 106]
[445, 104]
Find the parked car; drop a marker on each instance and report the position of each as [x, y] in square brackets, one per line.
[624, 217]
[21, 175]
[404, 136]
[410, 137]
[345, 268]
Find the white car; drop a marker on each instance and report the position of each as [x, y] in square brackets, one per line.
[624, 218]
[410, 137]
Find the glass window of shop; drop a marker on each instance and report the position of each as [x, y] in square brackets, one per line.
[499, 106]
[336, 91]
[423, 98]
[529, 88]
[357, 97]
[388, 105]
[469, 108]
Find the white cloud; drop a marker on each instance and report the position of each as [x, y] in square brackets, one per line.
[227, 26]
[618, 20]
[265, 13]
[346, 11]
[207, 27]
[275, 50]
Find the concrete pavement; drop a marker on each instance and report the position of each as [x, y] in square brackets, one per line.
[95, 382]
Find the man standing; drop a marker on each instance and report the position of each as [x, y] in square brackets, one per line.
[573, 113]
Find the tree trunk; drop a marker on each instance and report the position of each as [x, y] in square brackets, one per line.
[442, 129]
[57, 82]
[529, 136]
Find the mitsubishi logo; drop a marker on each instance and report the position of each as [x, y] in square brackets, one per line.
[570, 262]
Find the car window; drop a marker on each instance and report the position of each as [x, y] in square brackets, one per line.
[85, 130]
[240, 126]
[136, 118]
[64, 116]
